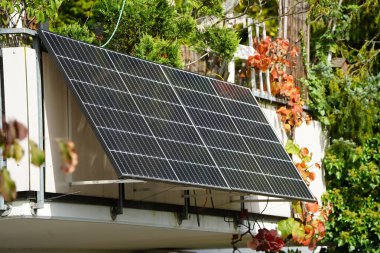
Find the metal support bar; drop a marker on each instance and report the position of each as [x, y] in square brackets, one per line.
[24, 31]
[118, 209]
[37, 46]
[259, 200]
[3, 206]
[210, 195]
[177, 188]
[184, 214]
[95, 182]
[3, 163]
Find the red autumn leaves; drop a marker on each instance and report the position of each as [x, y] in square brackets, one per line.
[269, 53]
[276, 56]
[305, 158]
[307, 230]
[312, 223]
[303, 168]
[266, 240]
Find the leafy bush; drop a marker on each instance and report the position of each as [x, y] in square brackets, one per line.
[159, 50]
[220, 40]
[353, 176]
[76, 31]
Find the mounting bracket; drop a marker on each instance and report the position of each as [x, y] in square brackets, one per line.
[184, 213]
[118, 209]
[99, 182]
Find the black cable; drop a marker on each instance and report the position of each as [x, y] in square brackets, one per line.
[212, 201]
[196, 209]
[261, 213]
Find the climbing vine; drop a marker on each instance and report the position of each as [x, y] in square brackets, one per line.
[308, 225]
[277, 56]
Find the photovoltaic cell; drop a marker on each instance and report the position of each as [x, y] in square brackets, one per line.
[151, 89]
[244, 111]
[189, 81]
[174, 131]
[233, 92]
[212, 120]
[164, 124]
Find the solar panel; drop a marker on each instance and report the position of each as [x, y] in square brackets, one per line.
[168, 125]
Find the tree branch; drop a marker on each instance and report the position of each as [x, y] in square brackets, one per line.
[200, 58]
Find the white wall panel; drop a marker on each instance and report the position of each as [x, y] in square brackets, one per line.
[56, 125]
[16, 107]
[33, 118]
[313, 137]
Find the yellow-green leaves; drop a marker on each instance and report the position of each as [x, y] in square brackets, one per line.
[7, 185]
[37, 156]
[292, 148]
[286, 227]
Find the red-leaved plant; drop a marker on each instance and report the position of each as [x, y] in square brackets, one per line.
[277, 56]
[266, 240]
[307, 228]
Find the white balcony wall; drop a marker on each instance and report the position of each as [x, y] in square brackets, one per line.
[63, 119]
[20, 102]
[89, 226]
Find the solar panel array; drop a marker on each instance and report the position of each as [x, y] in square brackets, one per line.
[165, 124]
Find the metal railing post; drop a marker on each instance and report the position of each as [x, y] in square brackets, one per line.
[41, 193]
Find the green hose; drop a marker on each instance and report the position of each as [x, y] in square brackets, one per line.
[117, 24]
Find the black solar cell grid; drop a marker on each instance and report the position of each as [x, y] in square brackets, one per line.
[164, 124]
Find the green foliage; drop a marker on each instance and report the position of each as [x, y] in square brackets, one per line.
[200, 8]
[76, 31]
[37, 156]
[159, 50]
[156, 18]
[350, 18]
[348, 105]
[156, 24]
[353, 177]
[259, 11]
[288, 227]
[219, 40]
[7, 185]
[292, 148]
[37, 11]
[74, 11]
